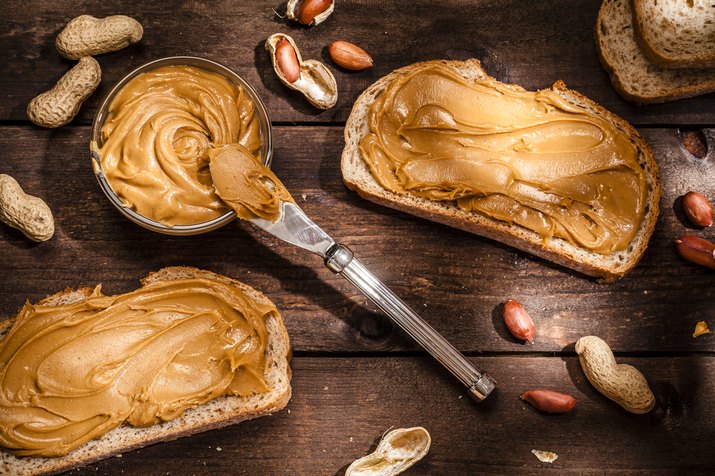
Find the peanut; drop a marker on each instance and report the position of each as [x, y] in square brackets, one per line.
[28, 214]
[622, 383]
[287, 61]
[310, 77]
[89, 36]
[696, 250]
[309, 9]
[59, 105]
[695, 143]
[518, 321]
[349, 56]
[549, 401]
[698, 209]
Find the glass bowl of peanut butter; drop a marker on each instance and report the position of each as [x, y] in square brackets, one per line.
[152, 135]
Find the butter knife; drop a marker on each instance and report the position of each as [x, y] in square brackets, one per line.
[296, 228]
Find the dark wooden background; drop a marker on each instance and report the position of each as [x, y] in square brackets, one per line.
[355, 375]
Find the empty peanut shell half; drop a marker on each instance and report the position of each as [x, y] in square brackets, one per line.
[313, 78]
[398, 450]
[309, 12]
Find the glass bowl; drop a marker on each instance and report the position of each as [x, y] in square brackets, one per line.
[103, 112]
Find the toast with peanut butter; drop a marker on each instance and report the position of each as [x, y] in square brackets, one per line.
[189, 351]
[549, 172]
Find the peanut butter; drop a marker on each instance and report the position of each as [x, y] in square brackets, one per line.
[523, 157]
[70, 373]
[245, 184]
[157, 136]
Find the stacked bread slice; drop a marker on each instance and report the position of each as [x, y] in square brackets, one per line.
[658, 50]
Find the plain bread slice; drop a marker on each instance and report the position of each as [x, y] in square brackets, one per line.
[676, 33]
[632, 75]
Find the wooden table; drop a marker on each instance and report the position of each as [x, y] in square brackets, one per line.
[354, 374]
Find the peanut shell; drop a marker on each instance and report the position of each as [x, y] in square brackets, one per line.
[316, 82]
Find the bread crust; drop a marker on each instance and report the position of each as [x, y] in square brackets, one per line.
[357, 177]
[632, 75]
[690, 55]
[217, 413]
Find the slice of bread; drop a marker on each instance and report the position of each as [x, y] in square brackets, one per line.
[634, 77]
[216, 413]
[676, 33]
[357, 176]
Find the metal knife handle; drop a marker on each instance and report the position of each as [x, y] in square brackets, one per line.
[340, 260]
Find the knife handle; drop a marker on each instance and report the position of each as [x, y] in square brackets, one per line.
[340, 260]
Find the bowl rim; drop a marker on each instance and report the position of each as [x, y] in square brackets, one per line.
[103, 111]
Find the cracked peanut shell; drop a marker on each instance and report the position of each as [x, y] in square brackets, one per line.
[315, 80]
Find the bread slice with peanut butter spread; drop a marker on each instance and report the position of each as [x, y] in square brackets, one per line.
[215, 413]
[408, 185]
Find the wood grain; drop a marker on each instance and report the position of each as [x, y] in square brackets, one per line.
[341, 407]
[457, 281]
[532, 47]
[355, 375]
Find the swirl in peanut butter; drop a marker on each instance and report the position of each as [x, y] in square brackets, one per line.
[72, 372]
[157, 136]
[523, 157]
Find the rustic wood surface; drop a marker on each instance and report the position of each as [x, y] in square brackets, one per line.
[355, 375]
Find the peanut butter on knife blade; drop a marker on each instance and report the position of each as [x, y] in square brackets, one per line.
[245, 184]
